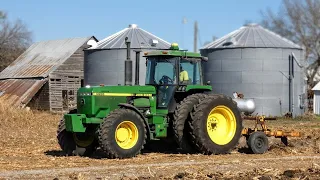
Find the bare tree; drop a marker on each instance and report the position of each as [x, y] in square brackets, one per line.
[14, 39]
[2, 15]
[299, 21]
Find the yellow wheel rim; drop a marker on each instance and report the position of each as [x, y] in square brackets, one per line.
[83, 142]
[221, 125]
[126, 134]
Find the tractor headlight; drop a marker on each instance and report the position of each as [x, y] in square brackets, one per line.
[82, 101]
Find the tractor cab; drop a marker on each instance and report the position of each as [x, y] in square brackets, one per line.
[173, 69]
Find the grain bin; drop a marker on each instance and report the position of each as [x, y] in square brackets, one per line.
[255, 61]
[104, 63]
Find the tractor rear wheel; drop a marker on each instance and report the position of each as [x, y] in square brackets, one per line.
[122, 134]
[180, 121]
[82, 144]
[216, 125]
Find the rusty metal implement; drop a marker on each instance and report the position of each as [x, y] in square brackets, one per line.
[261, 120]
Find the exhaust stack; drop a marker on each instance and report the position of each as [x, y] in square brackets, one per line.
[128, 66]
[137, 67]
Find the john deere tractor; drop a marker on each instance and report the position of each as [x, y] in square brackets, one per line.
[122, 119]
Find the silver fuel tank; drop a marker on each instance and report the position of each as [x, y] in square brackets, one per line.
[245, 105]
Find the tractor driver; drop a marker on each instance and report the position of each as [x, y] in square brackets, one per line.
[183, 76]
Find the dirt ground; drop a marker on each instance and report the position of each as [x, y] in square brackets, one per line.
[29, 150]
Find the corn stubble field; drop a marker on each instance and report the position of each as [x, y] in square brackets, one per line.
[29, 150]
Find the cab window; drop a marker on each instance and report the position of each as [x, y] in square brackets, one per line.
[161, 70]
[191, 70]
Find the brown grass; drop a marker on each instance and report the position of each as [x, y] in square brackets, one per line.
[20, 127]
[25, 134]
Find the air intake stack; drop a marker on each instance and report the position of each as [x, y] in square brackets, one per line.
[128, 66]
[137, 67]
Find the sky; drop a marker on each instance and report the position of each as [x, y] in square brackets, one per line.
[60, 19]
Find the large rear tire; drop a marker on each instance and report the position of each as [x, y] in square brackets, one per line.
[122, 134]
[216, 125]
[82, 144]
[180, 121]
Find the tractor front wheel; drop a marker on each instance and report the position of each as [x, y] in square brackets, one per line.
[216, 125]
[122, 134]
[82, 144]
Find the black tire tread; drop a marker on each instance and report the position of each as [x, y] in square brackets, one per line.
[65, 139]
[68, 145]
[106, 127]
[251, 140]
[180, 120]
[194, 124]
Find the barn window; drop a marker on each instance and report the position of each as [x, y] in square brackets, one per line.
[82, 83]
[71, 92]
[58, 80]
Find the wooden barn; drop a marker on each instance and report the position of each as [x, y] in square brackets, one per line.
[46, 76]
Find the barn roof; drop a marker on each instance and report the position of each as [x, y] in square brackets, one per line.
[139, 38]
[19, 92]
[253, 36]
[41, 58]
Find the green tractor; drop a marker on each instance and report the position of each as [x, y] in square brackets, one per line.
[122, 119]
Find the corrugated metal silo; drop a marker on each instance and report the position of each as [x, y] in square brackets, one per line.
[104, 63]
[255, 61]
[316, 98]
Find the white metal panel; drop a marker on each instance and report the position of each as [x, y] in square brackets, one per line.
[242, 65]
[316, 87]
[316, 102]
[227, 54]
[212, 65]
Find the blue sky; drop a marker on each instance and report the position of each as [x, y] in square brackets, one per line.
[70, 18]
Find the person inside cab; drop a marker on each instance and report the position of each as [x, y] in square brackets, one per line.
[183, 76]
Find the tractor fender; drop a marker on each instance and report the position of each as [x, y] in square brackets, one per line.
[129, 106]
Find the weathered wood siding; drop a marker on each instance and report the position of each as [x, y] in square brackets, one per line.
[41, 99]
[63, 92]
[65, 81]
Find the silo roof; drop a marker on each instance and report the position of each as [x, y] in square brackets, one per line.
[251, 36]
[139, 38]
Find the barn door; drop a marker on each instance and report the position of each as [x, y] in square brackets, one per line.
[69, 99]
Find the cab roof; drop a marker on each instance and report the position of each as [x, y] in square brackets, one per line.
[173, 51]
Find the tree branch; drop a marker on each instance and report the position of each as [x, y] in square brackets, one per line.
[14, 39]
